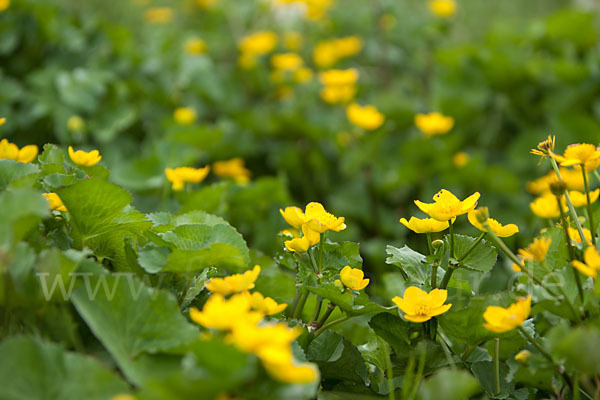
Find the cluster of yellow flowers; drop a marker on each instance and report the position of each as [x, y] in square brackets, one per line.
[339, 85]
[313, 221]
[313, 9]
[229, 169]
[434, 123]
[10, 151]
[442, 8]
[327, 53]
[366, 117]
[242, 318]
[289, 67]
[255, 45]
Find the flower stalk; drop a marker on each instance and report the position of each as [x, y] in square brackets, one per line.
[565, 227]
[589, 204]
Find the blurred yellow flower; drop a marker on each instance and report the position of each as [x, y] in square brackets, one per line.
[123, 397]
[339, 85]
[224, 314]
[159, 15]
[366, 117]
[500, 320]
[420, 306]
[292, 40]
[496, 227]
[353, 278]
[3, 119]
[289, 61]
[327, 53]
[55, 202]
[425, 225]
[4, 4]
[265, 305]
[443, 8]
[207, 3]
[573, 180]
[460, 159]
[302, 244]
[580, 154]
[579, 199]
[195, 46]
[233, 168]
[75, 124]
[522, 356]
[234, 283]
[592, 262]
[258, 43]
[447, 206]
[182, 175]
[576, 237]
[434, 123]
[86, 159]
[537, 250]
[545, 206]
[10, 151]
[184, 115]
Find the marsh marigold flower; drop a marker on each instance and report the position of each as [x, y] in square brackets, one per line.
[328, 53]
[545, 148]
[545, 206]
[496, 227]
[592, 262]
[10, 151]
[537, 250]
[425, 225]
[579, 199]
[522, 356]
[576, 237]
[293, 216]
[339, 85]
[182, 175]
[194, 46]
[366, 117]
[320, 220]
[184, 115]
[258, 43]
[224, 314]
[420, 306]
[573, 180]
[460, 159]
[2, 121]
[75, 124]
[447, 206]
[580, 154]
[234, 283]
[353, 278]
[55, 202]
[265, 305]
[159, 15]
[442, 8]
[434, 123]
[83, 158]
[302, 244]
[233, 168]
[502, 320]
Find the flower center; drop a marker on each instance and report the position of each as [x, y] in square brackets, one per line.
[423, 309]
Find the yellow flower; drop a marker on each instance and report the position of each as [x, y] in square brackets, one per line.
[159, 15]
[2, 120]
[293, 216]
[292, 372]
[258, 43]
[328, 53]
[592, 262]
[545, 206]
[301, 245]
[75, 124]
[184, 115]
[123, 397]
[496, 227]
[460, 159]
[55, 202]
[4, 4]
[545, 148]
[338, 94]
[443, 8]
[182, 175]
[420, 306]
[207, 3]
[194, 46]
[434, 123]
[11, 151]
[234, 283]
[537, 250]
[367, 117]
[320, 220]
[302, 75]
[574, 235]
[265, 305]
[573, 179]
[447, 206]
[522, 356]
[339, 77]
[292, 40]
[224, 314]
[286, 61]
[425, 225]
[291, 233]
[233, 169]
[353, 278]
[86, 159]
[580, 154]
[580, 200]
[502, 320]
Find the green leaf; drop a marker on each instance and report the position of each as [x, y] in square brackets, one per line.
[449, 384]
[130, 318]
[20, 211]
[578, 347]
[347, 301]
[44, 371]
[11, 171]
[484, 372]
[337, 358]
[393, 330]
[410, 262]
[481, 258]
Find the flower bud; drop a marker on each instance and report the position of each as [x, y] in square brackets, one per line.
[558, 188]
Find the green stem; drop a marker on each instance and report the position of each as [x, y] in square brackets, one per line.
[429, 243]
[321, 244]
[589, 204]
[536, 344]
[569, 204]
[312, 261]
[330, 308]
[317, 310]
[390, 374]
[301, 303]
[330, 324]
[294, 303]
[565, 227]
[451, 226]
[419, 375]
[434, 268]
[497, 366]
[597, 175]
[446, 278]
[473, 245]
[515, 259]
